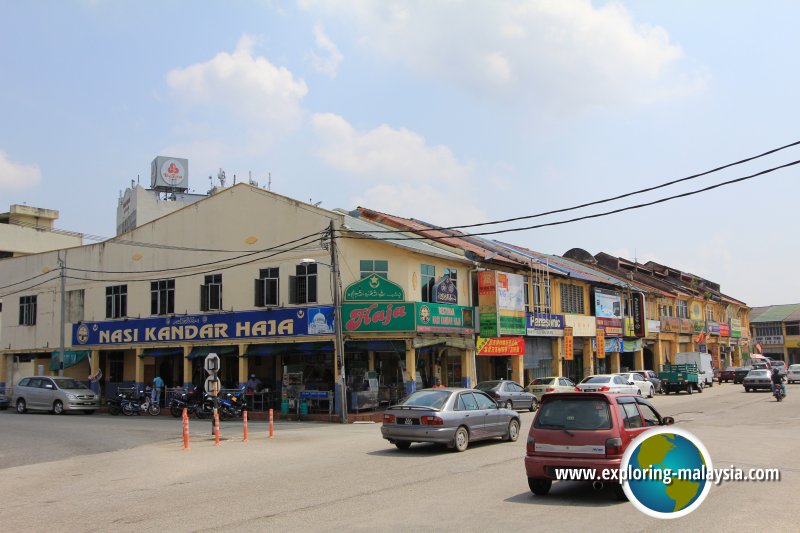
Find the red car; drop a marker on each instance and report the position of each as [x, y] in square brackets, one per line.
[729, 374]
[583, 430]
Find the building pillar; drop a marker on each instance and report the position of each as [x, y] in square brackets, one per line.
[468, 372]
[588, 357]
[518, 369]
[244, 365]
[638, 360]
[371, 360]
[557, 345]
[786, 354]
[658, 355]
[187, 368]
[139, 362]
[4, 366]
[411, 368]
[94, 362]
[613, 362]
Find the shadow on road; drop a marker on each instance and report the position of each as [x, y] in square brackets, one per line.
[570, 494]
[427, 449]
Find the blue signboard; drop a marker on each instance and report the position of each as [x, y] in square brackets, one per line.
[544, 325]
[261, 324]
[445, 292]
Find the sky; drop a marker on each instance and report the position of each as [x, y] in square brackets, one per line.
[453, 112]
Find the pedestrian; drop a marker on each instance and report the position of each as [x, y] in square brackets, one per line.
[158, 384]
[253, 385]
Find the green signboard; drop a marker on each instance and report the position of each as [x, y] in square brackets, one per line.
[374, 288]
[378, 317]
[512, 325]
[443, 318]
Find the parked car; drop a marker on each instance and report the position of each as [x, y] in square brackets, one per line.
[509, 394]
[451, 416]
[793, 374]
[780, 365]
[541, 386]
[4, 402]
[652, 377]
[56, 395]
[584, 431]
[758, 379]
[643, 384]
[728, 374]
[740, 374]
[613, 383]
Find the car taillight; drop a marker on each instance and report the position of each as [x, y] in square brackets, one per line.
[605, 389]
[431, 421]
[549, 389]
[388, 419]
[530, 447]
[577, 389]
[614, 446]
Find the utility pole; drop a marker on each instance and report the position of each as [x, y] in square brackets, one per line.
[337, 304]
[62, 264]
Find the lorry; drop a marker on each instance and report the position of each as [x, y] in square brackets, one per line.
[702, 361]
[675, 378]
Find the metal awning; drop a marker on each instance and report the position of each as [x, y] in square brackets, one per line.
[380, 345]
[279, 348]
[162, 352]
[222, 351]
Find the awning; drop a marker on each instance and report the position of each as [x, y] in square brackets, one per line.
[162, 352]
[222, 351]
[71, 358]
[376, 346]
[279, 348]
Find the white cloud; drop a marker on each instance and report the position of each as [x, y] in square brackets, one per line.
[17, 176]
[328, 62]
[565, 55]
[249, 86]
[406, 176]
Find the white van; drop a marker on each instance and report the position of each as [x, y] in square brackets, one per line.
[703, 362]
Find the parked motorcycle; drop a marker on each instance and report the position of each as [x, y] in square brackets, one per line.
[777, 391]
[231, 405]
[115, 405]
[139, 405]
[186, 400]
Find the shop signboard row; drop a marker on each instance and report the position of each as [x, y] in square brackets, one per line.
[676, 325]
[407, 317]
[501, 303]
[260, 324]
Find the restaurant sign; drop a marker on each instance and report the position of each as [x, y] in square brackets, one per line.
[439, 318]
[445, 292]
[374, 288]
[207, 327]
[375, 317]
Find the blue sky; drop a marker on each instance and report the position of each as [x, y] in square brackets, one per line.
[454, 112]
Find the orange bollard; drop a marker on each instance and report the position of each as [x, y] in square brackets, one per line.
[185, 430]
[271, 426]
[244, 414]
[216, 428]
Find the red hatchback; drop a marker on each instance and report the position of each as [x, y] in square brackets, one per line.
[573, 432]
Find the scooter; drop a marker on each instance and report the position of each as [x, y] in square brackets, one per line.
[778, 392]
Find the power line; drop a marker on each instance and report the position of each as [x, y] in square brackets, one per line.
[611, 199]
[561, 222]
[32, 286]
[27, 280]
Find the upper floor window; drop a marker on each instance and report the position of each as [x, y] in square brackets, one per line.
[27, 310]
[428, 278]
[267, 287]
[370, 267]
[572, 299]
[303, 285]
[541, 294]
[768, 329]
[117, 301]
[211, 293]
[664, 310]
[709, 313]
[682, 309]
[527, 295]
[162, 297]
[793, 328]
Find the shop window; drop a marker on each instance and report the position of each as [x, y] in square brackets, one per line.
[117, 301]
[369, 267]
[27, 310]
[116, 366]
[303, 286]
[682, 309]
[266, 287]
[162, 297]
[572, 299]
[666, 310]
[211, 293]
[428, 277]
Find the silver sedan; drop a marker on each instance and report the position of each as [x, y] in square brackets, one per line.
[451, 416]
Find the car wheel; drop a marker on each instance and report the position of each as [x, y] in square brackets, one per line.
[21, 407]
[638, 392]
[461, 439]
[513, 431]
[534, 404]
[540, 487]
[402, 445]
[747, 389]
[509, 405]
[689, 388]
[700, 388]
[58, 407]
[652, 392]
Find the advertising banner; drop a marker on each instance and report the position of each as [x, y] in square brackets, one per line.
[582, 325]
[600, 344]
[614, 344]
[487, 303]
[637, 312]
[569, 347]
[607, 304]
[545, 325]
[511, 303]
[696, 311]
[736, 328]
[445, 292]
[612, 326]
[653, 327]
[498, 346]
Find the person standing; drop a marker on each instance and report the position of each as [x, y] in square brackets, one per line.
[253, 385]
[158, 384]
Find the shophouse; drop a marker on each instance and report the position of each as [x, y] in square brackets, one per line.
[775, 331]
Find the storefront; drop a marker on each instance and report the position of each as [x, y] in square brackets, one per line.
[579, 330]
[542, 330]
[500, 358]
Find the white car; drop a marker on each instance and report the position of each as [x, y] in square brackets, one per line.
[793, 374]
[612, 383]
[642, 383]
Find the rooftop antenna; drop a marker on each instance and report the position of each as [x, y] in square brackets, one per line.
[221, 177]
[269, 183]
[137, 179]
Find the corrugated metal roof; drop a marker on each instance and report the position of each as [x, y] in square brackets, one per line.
[774, 313]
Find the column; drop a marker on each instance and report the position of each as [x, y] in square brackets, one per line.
[658, 356]
[94, 361]
[518, 369]
[557, 345]
[187, 368]
[468, 368]
[139, 361]
[588, 359]
[371, 360]
[411, 368]
[613, 362]
[244, 365]
[638, 360]
[4, 371]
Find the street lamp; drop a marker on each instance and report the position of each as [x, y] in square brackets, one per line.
[337, 305]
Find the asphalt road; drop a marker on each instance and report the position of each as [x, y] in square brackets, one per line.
[315, 477]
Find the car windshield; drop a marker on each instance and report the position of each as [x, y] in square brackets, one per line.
[69, 383]
[758, 373]
[488, 385]
[427, 398]
[778, 363]
[574, 413]
[794, 367]
[596, 379]
[542, 381]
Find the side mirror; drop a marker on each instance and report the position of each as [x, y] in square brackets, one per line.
[667, 421]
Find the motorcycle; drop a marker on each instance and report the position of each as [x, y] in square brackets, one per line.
[231, 405]
[186, 400]
[115, 405]
[141, 404]
[777, 391]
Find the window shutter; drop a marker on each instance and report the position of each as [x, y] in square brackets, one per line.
[293, 290]
[259, 293]
[311, 293]
[204, 297]
[215, 297]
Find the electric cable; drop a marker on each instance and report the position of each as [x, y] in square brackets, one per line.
[29, 279]
[57, 276]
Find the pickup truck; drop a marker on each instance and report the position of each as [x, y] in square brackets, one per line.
[675, 378]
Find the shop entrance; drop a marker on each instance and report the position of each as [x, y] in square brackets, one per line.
[453, 374]
[573, 369]
[649, 360]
